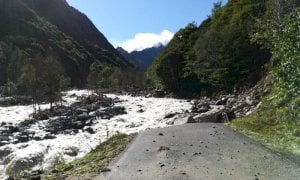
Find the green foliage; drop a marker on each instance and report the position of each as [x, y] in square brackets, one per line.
[277, 124]
[31, 30]
[276, 127]
[216, 56]
[102, 76]
[42, 79]
[286, 46]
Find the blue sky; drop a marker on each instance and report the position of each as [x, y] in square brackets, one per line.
[125, 21]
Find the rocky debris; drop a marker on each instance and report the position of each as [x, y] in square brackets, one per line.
[230, 106]
[201, 106]
[110, 112]
[100, 100]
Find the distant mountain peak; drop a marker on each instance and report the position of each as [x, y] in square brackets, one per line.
[142, 58]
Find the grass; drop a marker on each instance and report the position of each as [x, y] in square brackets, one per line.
[276, 127]
[93, 163]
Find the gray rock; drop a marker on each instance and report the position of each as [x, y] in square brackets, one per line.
[217, 115]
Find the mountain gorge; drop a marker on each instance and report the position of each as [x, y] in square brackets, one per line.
[31, 27]
[143, 59]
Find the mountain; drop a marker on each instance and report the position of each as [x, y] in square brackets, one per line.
[217, 56]
[143, 59]
[30, 27]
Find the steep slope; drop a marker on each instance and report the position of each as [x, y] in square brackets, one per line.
[218, 56]
[143, 59]
[53, 27]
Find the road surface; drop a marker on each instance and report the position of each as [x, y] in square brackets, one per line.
[199, 151]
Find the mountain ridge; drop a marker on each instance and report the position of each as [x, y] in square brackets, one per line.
[43, 27]
[144, 58]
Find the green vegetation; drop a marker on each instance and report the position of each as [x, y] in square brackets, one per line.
[277, 127]
[278, 122]
[215, 57]
[104, 76]
[93, 163]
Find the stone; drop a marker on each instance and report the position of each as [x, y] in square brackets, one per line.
[218, 115]
[71, 151]
[168, 116]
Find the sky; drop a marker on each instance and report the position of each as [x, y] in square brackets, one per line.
[140, 24]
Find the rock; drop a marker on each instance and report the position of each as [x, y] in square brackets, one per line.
[71, 151]
[4, 138]
[141, 111]
[163, 148]
[89, 130]
[20, 164]
[22, 138]
[200, 107]
[180, 119]
[4, 152]
[110, 112]
[3, 143]
[168, 116]
[101, 100]
[222, 101]
[12, 129]
[42, 115]
[218, 115]
[49, 136]
[81, 111]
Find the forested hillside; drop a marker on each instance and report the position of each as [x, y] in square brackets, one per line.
[31, 28]
[217, 56]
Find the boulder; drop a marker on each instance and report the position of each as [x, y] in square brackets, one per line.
[200, 107]
[217, 115]
[4, 152]
[19, 164]
[71, 151]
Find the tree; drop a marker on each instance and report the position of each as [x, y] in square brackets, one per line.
[102, 76]
[42, 79]
[54, 82]
[278, 31]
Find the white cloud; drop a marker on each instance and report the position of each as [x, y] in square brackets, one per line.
[143, 41]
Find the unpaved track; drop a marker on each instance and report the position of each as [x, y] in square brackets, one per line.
[199, 151]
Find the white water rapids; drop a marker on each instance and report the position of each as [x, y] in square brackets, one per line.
[142, 113]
